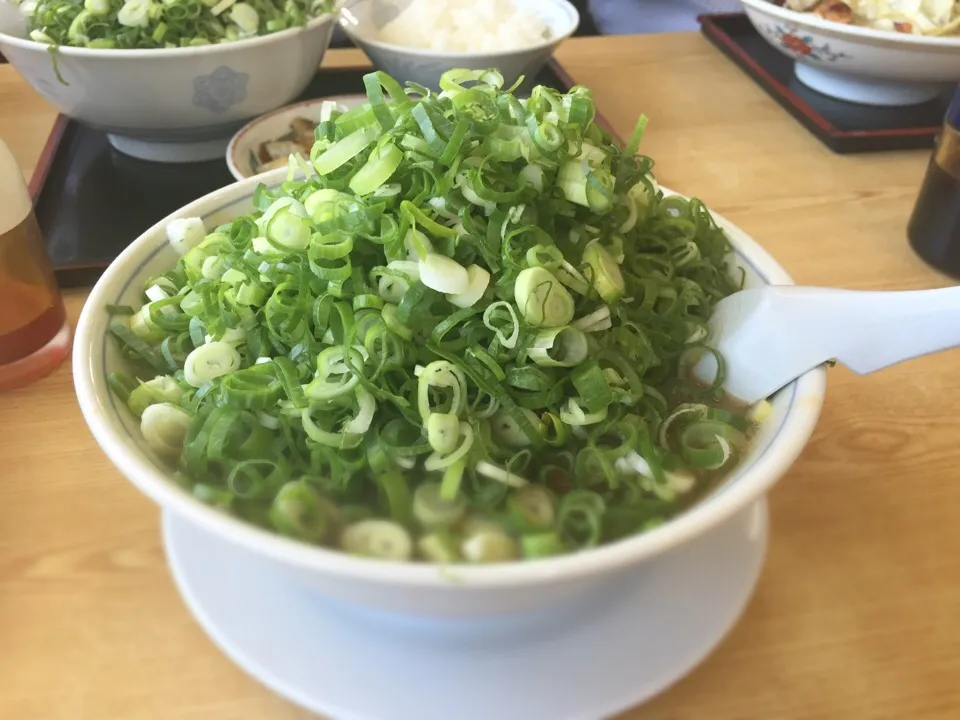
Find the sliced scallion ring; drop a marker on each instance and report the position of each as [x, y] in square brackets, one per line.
[161, 389]
[532, 508]
[478, 279]
[164, 427]
[334, 377]
[298, 511]
[184, 234]
[542, 299]
[440, 461]
[502, 319]
[443, 432]
[559, 347]
[708, 444]
[542, 545]
[441, 375]
[505, 429]
[605, 273]
[431, 509]
[489, 547]
[209, 362]
[438, 548]
[380, 539]
[444, 275]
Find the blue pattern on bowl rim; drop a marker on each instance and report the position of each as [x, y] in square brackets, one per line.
[220, 90]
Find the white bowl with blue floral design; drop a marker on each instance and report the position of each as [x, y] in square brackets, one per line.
[171, 105]
[859, 64]
[419, 591]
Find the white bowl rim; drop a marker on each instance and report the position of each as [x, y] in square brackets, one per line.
[851, 31]
[573, 15]
[234, 146]
[131, 54]
[795, 430]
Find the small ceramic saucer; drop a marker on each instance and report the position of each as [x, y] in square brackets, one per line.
[242, 150]
[615, 652]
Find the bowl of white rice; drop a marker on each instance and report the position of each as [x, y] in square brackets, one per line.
[418, 40]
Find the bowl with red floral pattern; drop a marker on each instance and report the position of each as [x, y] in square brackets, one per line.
[842, 51]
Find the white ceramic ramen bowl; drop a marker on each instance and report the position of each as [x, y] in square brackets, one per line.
[172, 105]
[363, 19]
[858, 64]
[415, 589]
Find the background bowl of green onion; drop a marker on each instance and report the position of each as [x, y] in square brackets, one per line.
[170, 81]
[418, 40]
[439, 365]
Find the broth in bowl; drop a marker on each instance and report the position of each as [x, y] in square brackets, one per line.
[458, 334]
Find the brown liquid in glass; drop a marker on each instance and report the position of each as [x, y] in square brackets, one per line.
[31, 309]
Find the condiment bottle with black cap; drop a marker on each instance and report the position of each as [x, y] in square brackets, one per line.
[934, 228]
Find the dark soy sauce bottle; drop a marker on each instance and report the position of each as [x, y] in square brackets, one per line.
[934, 228]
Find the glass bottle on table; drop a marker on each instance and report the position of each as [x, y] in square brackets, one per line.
[34, 332]
[934, 228]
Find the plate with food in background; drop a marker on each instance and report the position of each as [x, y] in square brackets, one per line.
[267, 142]
[872, 52]
[935, 18]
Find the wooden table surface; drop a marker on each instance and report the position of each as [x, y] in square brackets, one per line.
[857, 614]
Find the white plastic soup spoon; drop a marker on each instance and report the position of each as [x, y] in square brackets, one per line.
[770, 336]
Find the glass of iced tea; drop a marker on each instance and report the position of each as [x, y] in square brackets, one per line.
[34, 333]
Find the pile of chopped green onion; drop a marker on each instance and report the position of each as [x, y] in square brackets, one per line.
[458, 333]
[150, 24]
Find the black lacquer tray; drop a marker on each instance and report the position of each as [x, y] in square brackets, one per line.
[92, 200]
[842, 126]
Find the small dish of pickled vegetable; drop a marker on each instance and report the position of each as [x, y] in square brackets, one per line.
[267, 142]
[449, 345]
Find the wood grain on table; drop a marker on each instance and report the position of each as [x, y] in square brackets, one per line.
[857, 614]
